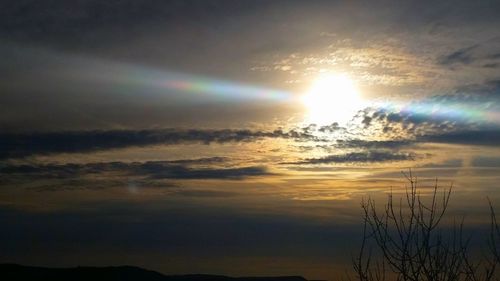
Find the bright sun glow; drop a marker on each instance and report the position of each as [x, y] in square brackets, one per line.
[332, 98]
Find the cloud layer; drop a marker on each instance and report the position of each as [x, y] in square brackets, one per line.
[22, 145]
[150, 170]
[359, 157]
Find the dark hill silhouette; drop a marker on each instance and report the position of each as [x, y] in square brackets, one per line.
[9, 272]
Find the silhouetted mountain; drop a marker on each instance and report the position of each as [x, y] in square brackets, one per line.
[9, 272]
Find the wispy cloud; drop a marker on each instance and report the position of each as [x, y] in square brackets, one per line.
[471, 137]
[462, 56]
[22, 145]
[150, 169]
[359, 157]
[490, 162]
[372, 144]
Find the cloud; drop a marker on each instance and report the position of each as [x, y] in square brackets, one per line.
[204, 160]
[481, 161]
[451, 163]
[204, 193]
[486, 56]
[70, 25]
[28, 144]
[488, 89]
[491, 65]
[150, 170]
[130, 175]
[403, 123]
[462, 56]
[160, 171]
[471, 108]
[369, 144]
[470, 137]
[79, 184]
[359, 157]
[494, 56]
[334, 127]
[463, 118]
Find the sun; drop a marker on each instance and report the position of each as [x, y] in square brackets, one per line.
[332, 98]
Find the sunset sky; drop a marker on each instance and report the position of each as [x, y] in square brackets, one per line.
[236, 137]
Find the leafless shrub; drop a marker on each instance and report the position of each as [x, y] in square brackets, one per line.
[406, 242]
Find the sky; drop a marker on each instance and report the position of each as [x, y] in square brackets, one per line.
[237, 137]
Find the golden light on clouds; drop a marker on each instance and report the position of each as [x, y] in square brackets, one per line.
[332, 98]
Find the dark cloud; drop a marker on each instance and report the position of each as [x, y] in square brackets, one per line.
[469, 137]
[367, 144]
[59, 20]
[205, 160]
[78, 184]
[331, 128]
[488, 89]
[452, 163]
[483, 161]
[492, 61]
[204, 193]
[27, 144]
[150, 169]
[475, 54]
[61, 23]
[491, 65]
[462, 56]
[359, 157]
[159, 171]
[367, 120]
[406, 123]
[494, 56]
[492, 87]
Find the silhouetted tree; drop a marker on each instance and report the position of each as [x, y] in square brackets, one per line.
[404, 241]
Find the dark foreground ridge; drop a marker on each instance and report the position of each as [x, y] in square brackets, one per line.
[10, 272]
